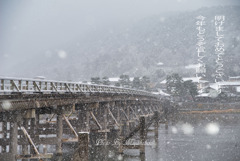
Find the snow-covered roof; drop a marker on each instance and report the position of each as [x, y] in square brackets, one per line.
[236, 77]
[204, 95]
[163, 93]
[131, 79]
[116, 79]
[160, 92]
[159, 63]
[219, 84]
[237, 83]
[163, 82]
[214, 86]
[192, 66]
[193, 79]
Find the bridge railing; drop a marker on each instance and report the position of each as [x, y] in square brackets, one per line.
[15, 85]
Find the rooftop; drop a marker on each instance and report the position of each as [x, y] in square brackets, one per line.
[193, 79]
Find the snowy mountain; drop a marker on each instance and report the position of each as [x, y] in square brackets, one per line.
[136, 48]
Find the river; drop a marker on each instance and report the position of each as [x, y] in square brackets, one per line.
[214, 137]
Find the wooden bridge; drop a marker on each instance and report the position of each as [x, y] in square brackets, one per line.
[38, 113]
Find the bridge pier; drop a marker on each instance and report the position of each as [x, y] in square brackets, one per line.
[142, 134]
[4, 128]
[166, 107]
[156, 126]
[82, 152]
[126, 108]
[120, 134]
[13, 138]
[32, 134]
[9, 140]
[59, 132]
[25, 144]
[82, 118]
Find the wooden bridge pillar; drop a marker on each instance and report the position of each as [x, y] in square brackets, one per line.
[144, 109]
[37, 119]
[124, 110]
[83, 117]
[117, 106]
[32, 133]
[156, 125]
[103, 119]
[105, 116]
[166, 125]
[128, 115]
[142, 134]
[4, 129]
[14, 138]
[166, 108]
[82, 152]
[59, 132]
[25, 144]
[142, 157]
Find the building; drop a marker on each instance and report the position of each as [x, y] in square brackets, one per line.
[115, 80]
[196, 80]
[227, 86]
[234, 79]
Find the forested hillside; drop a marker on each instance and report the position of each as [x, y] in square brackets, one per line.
[151, 46]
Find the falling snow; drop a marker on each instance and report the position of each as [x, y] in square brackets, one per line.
[187, 129]
[62, 54]
[212, 129]
[6, 105]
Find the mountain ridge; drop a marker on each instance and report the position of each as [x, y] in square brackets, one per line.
[137, 48]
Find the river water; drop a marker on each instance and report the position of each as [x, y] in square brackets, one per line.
[214, 137]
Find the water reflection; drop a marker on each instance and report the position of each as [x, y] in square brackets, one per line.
[212, 137]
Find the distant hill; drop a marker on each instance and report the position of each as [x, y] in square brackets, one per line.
[137, 48]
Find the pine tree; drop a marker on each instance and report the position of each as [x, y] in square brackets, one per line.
[124, 81]
[190, 88]
[105, 80]
[95, 80]
[175, 84]
[136, 83]
[145, 81]
[177, 87]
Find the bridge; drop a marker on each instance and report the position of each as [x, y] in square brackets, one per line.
[35, 114]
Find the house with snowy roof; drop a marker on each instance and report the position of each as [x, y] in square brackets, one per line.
[115, 80]
[234, 79]
[199, 81]
[227, 86]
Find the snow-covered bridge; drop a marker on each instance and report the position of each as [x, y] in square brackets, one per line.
[35, 113]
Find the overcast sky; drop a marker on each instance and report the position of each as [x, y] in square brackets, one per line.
[32, 26]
